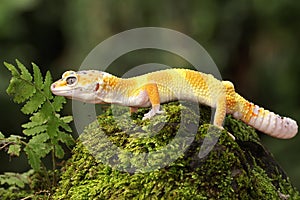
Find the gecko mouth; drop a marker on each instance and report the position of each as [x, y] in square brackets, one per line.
[61, 91]
[73, 93]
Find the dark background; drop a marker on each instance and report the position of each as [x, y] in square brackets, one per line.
[255, 44]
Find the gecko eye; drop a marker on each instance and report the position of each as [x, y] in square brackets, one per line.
[71, 80]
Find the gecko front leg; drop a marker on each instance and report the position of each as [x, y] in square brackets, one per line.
[153, 95]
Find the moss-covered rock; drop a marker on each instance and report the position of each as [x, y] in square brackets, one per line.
[169, 157]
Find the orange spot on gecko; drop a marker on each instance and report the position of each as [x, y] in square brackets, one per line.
[248, 111]
[194, 79]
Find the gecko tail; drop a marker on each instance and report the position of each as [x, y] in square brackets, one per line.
[267, 122]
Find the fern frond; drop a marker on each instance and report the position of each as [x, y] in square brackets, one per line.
[47, 84]
[64, 123]
[67, 119]
[31, 124]
[65, 138]
[2, 136]
[24, 72]
[34, 103]
[12, 69]
[20, 89]
[58, 102]
[37, 75]
[46, 130]
[35, 130]
[33, 158]
[59, 151]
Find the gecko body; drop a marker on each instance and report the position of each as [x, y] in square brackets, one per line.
[158, 87]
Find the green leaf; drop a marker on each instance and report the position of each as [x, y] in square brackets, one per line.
[67, 119]
[52, 129]
[12, 69]
[34, 103]
[59, 151]
[38, 118]
[65, 126]
[14, 138]
[31, 124]
[39, 145]
[44, 127]
[16, 179]
[38, 139]
[24, 72]
[47, 84]
[14, 149]
[43, 114]
[12, 179]
[58, 102]
[2, 136]
[66, 139]
[33, 158]
[35, 130]
[37, 75]
[20, 89]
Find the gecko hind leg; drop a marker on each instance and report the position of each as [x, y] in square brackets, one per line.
[220, 114]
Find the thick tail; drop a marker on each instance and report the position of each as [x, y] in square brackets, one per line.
[264, 120]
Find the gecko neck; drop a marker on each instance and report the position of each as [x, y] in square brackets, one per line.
[116, 90]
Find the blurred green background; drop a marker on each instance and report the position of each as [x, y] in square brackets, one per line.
[254, 43]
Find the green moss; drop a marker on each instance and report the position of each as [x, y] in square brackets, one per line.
[127, 158]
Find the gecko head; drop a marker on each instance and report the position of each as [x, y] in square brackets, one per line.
[80, 85]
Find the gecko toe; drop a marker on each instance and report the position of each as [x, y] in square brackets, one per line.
[232, 136]
[152, 113]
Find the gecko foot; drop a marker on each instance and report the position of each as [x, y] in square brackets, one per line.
[154, 110]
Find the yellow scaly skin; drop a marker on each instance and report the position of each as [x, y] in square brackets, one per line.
[158, 87]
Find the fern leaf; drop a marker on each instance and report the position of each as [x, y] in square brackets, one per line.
[52, 129]
[37, 75]
[35, 130]
[65, 126]
[47, 84]
[43, 137]
[58, 102]
[67, 119]
[31, 124]
[33, 158]
[20, 89]
[14, 149]
[12, 69]
[24, 72]
[34, 103]
[59, 151]
[64, 123]
[36, 149]
[20, 84]
[66, 139]
[45, 112]
[40, 117]
[46, 128]
[13, 180]
[2, 136]
[37, 119]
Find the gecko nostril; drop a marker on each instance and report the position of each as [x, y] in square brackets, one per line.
[53, 85]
